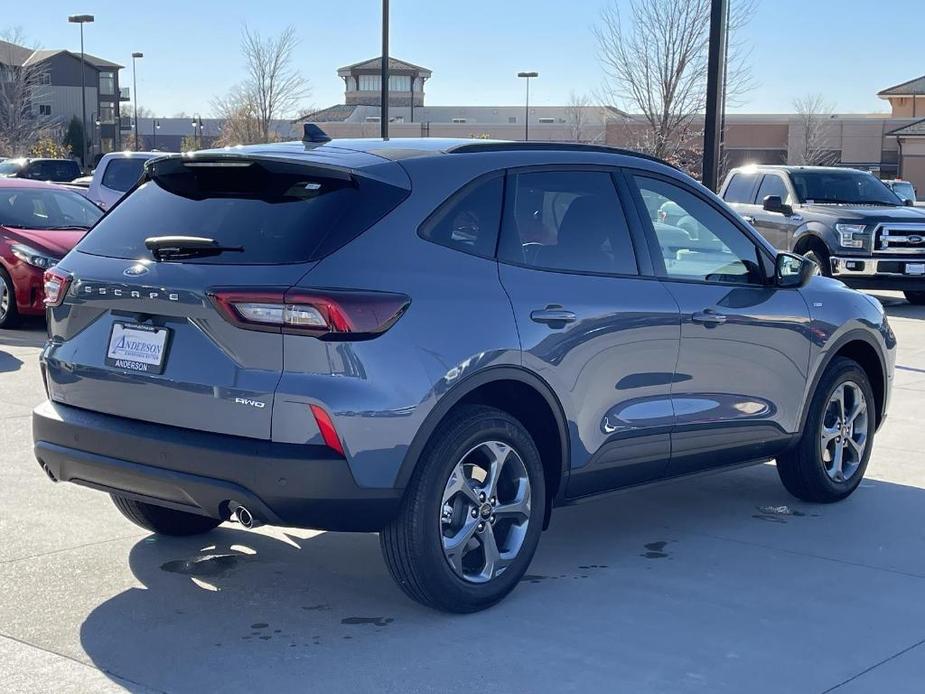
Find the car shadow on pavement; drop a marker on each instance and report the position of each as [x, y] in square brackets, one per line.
[8, 362]
[32, 333]
[692, 571]
[897, 307]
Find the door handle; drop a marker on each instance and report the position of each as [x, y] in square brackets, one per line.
[553, 315]
[708, 317]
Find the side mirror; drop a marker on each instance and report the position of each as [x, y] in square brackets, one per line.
[791, 270]
[909, 202]
[773, 203]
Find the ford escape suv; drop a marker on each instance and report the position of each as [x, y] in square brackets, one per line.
[440, 340]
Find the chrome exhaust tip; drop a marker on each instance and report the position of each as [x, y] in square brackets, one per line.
[245, 517]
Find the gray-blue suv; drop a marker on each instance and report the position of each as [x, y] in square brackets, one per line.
[440, 340]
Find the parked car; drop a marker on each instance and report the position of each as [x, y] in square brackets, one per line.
[39, 224]
[54, 170]
[115, 175]
[366, 336]
[846, 220]
[904, 190]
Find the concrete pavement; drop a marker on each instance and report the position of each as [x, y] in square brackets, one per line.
[719, 584]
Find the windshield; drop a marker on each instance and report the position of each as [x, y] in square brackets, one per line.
[10, 167]
[38, 208]
[846, 187]
[904, 190]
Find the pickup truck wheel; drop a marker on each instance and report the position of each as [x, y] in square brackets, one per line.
[917, 297]
[831, 457]
[164, 521]
[9, 316]
[820, 255]
[472, 515]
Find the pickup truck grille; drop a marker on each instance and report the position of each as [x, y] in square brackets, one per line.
[900, 238]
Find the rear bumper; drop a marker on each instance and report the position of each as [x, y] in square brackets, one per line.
[888, 273]
[199, 472]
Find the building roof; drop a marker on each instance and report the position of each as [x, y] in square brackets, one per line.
[376, 63]
[14, 54]
[916, 129]
[910, 88]
[333, 114]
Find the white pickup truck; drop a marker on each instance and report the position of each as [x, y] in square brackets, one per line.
[115, 175]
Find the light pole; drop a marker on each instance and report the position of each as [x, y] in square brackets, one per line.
[716, 69]
[384, 73]
[155, 126]
[197, 125]
[135, 55]
[82, 19]
[527, 76]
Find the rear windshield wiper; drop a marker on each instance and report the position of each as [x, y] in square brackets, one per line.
[180, 247]
[66, 227]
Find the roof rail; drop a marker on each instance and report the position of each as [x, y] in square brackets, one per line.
[496, 146]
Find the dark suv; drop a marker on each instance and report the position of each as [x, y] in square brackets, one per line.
[440, 340]
[54, 170]
[852, 224]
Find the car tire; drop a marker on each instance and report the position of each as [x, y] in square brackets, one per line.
[915, 297]
[832, 436]
[9, 316]
[820, 255]
[163, 521]
[451, 496]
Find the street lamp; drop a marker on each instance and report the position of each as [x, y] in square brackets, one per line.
[197, 123]
[135, 55]
[527, 76]
[82, 19]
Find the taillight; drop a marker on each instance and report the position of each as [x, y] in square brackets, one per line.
[56, 284]
[330, 314]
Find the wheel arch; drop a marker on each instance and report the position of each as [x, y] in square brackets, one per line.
[522, 394]
[863, 349]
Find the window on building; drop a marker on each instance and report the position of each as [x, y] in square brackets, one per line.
[460, 120]
[570, 221]
[512, 119]
[44, 109]
[370, 83]
[107, 114]
[547, 120]
[45, 77]
[373, 119]
[107, 83]
[400, 83]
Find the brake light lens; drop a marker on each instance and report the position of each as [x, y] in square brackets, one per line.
[329, 314]
[56, 284]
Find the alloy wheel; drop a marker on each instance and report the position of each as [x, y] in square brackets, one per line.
[5, 297]
[844, 432]
[485, 511]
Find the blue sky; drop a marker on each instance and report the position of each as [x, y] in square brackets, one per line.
[845, 49]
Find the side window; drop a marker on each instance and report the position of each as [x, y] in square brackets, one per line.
[740, 188]
[469, 220]
[122, 174]
[566, 220]
[700, 243]
[772, 184]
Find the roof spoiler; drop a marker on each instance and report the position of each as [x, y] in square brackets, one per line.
[313, 134]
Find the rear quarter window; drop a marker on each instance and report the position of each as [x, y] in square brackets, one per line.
[277, 212]
[469, 220]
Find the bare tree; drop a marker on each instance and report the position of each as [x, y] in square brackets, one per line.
[655, 65]
[813, 113]
[577, 114]
[22, 88]
[240, 121]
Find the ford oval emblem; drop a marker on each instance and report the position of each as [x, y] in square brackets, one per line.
[914, 239]
[136, 270]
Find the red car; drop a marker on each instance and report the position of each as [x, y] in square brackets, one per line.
[39, 224]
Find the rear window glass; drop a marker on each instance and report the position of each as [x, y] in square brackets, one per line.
[278, 212]
[740, 188]
[57, 170]
[122, 174]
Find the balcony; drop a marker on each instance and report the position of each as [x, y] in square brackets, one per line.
[125, 94]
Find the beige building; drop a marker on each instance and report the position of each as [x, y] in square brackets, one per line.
[889, 145]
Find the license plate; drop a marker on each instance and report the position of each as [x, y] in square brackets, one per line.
[140, 348]
[915, 268]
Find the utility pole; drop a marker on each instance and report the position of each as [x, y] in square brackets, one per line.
[716, 69]
[135, 95]
[384, 117]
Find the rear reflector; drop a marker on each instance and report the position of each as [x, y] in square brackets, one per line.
[331, 314]
[56, 284]
[326, 427]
